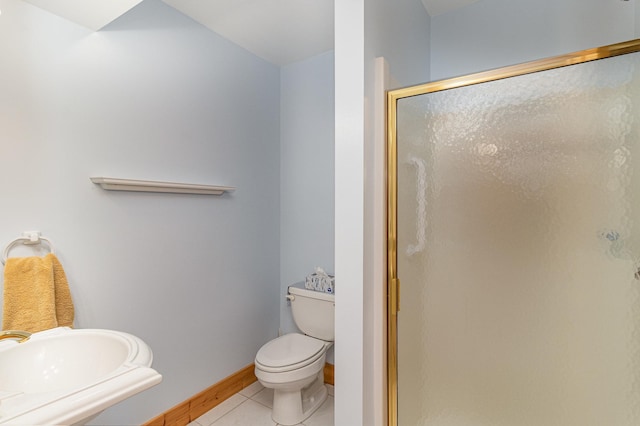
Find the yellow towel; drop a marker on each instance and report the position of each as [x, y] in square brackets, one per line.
[36, 294]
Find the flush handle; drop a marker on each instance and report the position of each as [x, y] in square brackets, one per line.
[290, 297]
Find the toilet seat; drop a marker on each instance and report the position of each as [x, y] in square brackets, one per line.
[289, 352]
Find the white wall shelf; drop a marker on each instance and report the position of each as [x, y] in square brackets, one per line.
[113, 184]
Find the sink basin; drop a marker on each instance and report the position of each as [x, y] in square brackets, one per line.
[68, 376]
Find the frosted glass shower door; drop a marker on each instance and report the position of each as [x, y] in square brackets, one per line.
[518, 243]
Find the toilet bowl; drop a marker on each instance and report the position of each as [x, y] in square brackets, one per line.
[293, 365]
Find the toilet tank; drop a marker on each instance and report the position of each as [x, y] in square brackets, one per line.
[313, 311]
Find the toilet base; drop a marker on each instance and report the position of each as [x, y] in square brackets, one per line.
[293, 407]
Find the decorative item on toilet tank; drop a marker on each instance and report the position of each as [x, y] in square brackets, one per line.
[320, 281]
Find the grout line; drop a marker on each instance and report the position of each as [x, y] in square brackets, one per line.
[258, 402]
[229, 412]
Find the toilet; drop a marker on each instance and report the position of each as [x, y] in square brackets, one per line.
[293, 364]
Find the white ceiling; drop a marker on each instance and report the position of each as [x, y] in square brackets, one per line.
[280, 31]
[93, 14]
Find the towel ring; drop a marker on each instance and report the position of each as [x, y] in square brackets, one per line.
[28, 238]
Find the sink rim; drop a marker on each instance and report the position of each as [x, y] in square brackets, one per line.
[50, 356]
[77, 405]
[139, 352]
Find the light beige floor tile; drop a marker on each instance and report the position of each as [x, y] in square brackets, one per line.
[249, 413]
[252, 389]
[324, 415]
[221, 409]
[264, 397]
[239, 410]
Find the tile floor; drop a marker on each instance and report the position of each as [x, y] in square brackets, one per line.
[252, 407]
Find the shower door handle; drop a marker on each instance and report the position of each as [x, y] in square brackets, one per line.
[421, 201]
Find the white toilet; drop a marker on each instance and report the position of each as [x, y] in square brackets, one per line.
[293, 365]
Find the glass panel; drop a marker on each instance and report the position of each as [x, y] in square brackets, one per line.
[518, 245]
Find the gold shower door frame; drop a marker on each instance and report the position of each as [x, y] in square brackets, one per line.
[393, 282]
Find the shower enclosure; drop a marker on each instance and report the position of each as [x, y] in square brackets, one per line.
[514, 245]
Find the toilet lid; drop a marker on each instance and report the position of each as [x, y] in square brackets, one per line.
[288, 350]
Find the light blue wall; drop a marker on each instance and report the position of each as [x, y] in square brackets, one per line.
[306, 174]
[153, 96]
[494, 33]
[399, 31]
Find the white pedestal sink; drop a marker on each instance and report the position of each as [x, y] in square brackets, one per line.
[66, 376]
